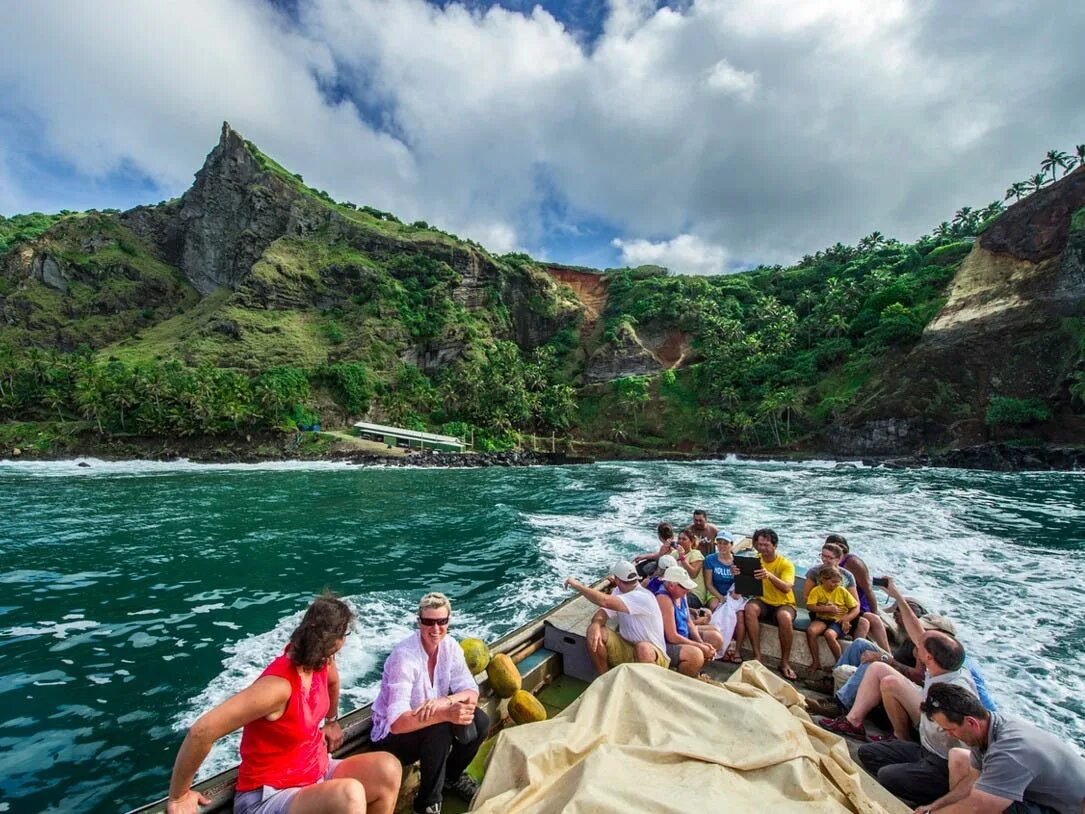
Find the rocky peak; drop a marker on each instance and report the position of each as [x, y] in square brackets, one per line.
[233, 211]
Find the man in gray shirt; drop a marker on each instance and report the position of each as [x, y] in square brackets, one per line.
[1013, 766]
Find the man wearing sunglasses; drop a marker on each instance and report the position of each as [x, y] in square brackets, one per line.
[427, 708]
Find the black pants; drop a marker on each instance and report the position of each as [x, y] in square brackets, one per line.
[441, 755]
[906, 769]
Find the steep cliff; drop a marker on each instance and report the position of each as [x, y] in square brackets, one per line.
[1011, 327]
[282, 272]
[86, 281]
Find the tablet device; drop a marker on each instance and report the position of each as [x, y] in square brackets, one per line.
[745, 582]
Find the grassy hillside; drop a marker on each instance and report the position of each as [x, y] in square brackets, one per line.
[355, 314]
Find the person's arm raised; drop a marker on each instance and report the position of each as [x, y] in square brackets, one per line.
[603, 600]
[692, 564]
[911, 622]
[266, 696]
[783, 585]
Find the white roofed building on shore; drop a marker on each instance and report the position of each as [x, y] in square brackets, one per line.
[408, 439]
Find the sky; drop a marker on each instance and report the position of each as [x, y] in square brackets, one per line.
[705, 135]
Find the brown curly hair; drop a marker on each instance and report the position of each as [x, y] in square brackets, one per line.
[314, 641]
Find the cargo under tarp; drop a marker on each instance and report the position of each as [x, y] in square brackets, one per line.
[644, 739]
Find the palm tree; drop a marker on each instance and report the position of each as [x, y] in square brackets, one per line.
[1053, 160]
[1037, 181]
[1079, 155]
[788, 401]
[1016, 190]
[943, 230]
[992, 209]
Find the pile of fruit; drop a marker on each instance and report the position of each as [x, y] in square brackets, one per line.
[505, 680]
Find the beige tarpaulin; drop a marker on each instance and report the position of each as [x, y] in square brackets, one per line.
[646, 739]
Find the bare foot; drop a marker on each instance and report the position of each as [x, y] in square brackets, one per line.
[787, 672]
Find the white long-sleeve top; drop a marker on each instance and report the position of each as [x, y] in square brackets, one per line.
[405, 683]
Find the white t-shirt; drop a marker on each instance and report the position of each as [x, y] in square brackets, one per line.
[644, 622]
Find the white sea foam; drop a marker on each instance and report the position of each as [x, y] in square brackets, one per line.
[58, 630]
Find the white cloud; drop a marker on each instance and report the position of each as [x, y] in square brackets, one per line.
[771, 128]
[685, 254]
[726, 78]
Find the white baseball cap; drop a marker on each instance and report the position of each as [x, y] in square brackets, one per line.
[677, 574]
[625, 571]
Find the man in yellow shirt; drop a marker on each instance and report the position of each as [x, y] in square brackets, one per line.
[777, 601]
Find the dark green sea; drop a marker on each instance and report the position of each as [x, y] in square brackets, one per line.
[135, 596]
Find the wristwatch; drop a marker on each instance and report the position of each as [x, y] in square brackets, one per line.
[885, 658]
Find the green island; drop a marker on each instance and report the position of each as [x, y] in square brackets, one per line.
[216, 324]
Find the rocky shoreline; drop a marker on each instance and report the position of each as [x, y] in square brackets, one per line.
[997, 457]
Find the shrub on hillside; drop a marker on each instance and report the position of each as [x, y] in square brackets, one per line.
[1011, 412]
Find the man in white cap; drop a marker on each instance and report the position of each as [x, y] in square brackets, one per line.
[640, 623]
[685, 643]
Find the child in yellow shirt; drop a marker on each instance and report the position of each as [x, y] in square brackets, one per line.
[834, 608]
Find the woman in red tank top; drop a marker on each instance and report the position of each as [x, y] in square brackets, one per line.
[285, 766]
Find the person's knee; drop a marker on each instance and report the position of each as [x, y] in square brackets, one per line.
[879, 671]
[482, 721]
[895, 684]
[691, 660]
[387, 771]
[346, 796]
[867, 754]
[784, 619]
[482, 725]
[830, 635]
[438, 738]
[645, 652]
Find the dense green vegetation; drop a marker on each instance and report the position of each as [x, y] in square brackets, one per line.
[782, 351]
[18, 228]
[321, 330]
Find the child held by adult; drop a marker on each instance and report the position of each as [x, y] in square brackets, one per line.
[834, 609]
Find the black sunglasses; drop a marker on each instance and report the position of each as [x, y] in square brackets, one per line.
[432, 622]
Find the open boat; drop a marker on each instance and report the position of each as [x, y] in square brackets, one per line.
[550, 654]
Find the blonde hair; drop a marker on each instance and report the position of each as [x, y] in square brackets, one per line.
[434, 599]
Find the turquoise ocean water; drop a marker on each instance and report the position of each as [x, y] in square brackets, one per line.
[135, 596]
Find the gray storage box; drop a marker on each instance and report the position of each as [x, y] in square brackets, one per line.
[574, 653]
